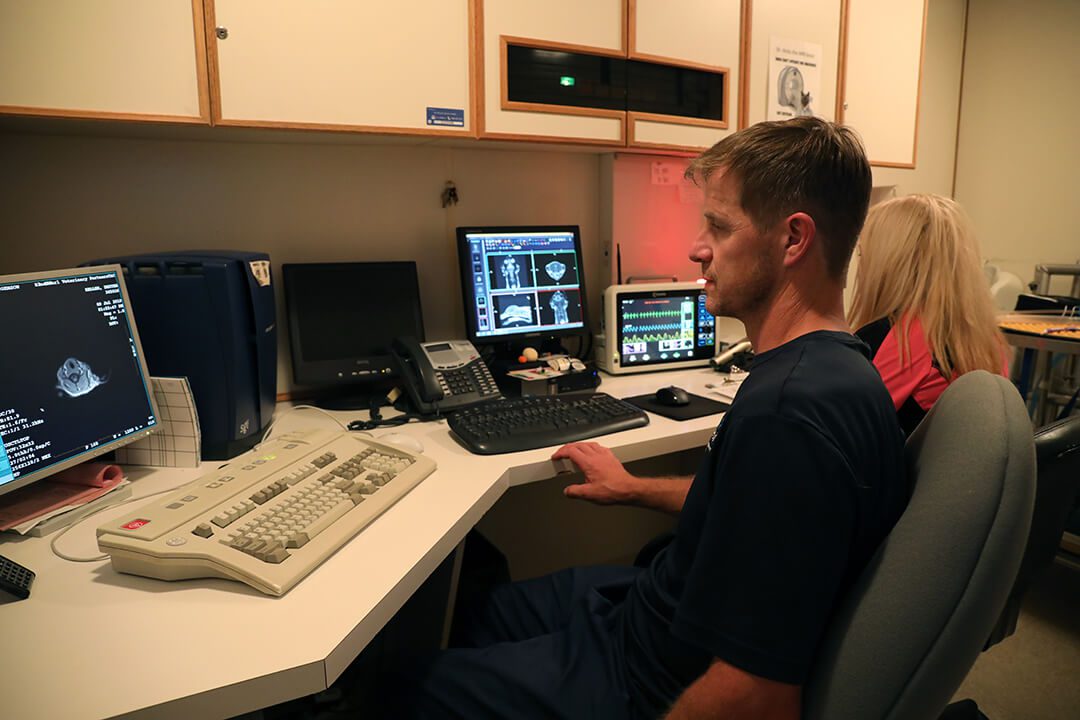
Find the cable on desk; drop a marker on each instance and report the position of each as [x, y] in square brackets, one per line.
[375, 418]
[71, 558]
[266, 435]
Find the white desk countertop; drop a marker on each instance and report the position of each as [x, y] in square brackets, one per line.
[93, 643]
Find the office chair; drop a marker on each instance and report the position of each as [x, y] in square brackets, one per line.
[1057, 457]
[909, 630]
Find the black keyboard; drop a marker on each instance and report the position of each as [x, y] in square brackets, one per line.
[525, 423]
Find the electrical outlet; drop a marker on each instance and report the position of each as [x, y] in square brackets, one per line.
[665, 172]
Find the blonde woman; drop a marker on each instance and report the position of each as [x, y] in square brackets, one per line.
[921, 301]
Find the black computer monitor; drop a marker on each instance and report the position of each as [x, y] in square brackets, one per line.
[343, 316]
[522, 283]
[75, 383]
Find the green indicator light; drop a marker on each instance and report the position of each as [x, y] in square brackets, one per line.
[566, 81]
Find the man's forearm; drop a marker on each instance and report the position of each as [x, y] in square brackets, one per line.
[726, 693]
[666, 494]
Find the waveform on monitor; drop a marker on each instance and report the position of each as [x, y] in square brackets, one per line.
[652, 327]
[676, 312]
[654, 337]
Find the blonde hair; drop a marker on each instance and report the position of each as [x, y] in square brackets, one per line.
[919, 259]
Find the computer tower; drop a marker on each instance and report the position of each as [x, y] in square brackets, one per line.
[209, 316]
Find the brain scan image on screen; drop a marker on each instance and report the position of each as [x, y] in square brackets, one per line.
[76, 378]
[508, 271]
[511, 273]
[558, 304]
[559, 307]
[514, 310]
[512, 314]
[555, 270]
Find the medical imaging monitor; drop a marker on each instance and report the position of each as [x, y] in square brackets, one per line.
[75, 383]
[522, 282]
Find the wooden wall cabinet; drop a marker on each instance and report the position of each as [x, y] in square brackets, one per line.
[596, 27]
[386, 67]
[882, 73]
[118, 59]
[699, 34]
[437, 67]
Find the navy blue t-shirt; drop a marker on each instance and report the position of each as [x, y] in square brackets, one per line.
[800, 483]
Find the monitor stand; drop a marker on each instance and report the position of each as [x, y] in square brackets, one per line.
[506, 357]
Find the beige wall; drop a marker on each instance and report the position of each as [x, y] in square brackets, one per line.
[1018, 141]
[66, 200]
[653, 225]
[939, 103]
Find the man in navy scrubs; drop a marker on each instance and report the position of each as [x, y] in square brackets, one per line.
[801, 481]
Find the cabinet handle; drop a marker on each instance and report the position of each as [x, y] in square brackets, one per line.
[221, 32]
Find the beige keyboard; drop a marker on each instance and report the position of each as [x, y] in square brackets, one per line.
[270, 516]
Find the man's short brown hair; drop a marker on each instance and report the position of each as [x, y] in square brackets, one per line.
[802, 165]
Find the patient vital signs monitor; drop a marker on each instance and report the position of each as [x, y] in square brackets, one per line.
[74, 381]
[655, 326]
[522, 282]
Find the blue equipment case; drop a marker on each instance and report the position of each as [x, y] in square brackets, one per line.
[209, 315]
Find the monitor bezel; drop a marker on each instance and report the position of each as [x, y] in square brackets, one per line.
[322, 373]
[106, 447]
[469, 301]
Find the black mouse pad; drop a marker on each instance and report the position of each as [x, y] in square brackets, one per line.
[698, 407]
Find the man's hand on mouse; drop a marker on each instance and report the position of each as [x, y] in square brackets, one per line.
[606, 480]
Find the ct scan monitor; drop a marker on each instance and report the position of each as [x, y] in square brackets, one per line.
[75, 382]
[522, 282]
[343, 317]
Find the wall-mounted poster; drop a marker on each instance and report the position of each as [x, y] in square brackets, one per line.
[794, 78]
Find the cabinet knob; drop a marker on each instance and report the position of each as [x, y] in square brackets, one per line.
[221, 32]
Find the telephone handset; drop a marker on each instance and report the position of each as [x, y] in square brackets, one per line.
[442, 376]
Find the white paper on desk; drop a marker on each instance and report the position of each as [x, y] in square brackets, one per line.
[726, 388]
[539, 373]
[27, 526]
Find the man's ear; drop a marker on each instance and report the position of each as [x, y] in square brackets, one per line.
[800, 234]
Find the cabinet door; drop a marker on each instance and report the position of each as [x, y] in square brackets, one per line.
[810, 21]
[596, 27]
[697, 34]
[388, 67]
[882, 70]
[128, 59]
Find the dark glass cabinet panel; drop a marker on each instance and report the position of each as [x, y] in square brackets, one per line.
[670, 90]
[555, 77]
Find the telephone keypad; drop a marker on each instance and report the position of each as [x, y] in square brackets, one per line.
[473, 378]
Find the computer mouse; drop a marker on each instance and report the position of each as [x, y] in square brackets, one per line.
[406, 442]
[672, 396]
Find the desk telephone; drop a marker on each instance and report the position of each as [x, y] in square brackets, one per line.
[441, 376]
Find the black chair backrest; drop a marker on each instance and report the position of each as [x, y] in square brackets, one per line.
[1057, 458]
